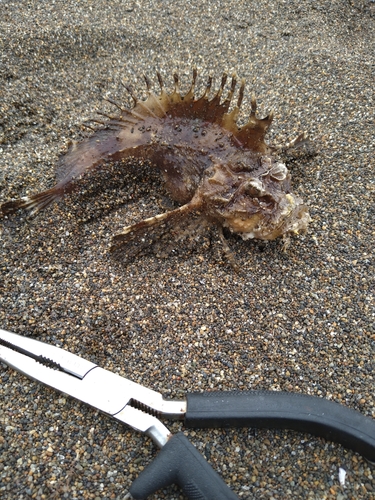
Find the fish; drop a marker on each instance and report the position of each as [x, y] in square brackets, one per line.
[222, 174]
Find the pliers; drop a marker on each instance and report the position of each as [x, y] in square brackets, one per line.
[179, 462]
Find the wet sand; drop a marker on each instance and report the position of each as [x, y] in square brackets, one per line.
[297, 321]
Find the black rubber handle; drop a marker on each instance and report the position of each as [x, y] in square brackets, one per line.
[283, 410]
[179, 462]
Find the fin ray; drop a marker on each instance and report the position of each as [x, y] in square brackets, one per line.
[33, 203]
[143, 234]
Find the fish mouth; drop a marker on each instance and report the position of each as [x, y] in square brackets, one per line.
[290, 217]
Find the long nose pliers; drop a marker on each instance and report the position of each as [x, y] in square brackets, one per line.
[179, 462]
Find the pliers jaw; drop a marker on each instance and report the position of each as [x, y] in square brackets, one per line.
[178, 461]
[122, 399]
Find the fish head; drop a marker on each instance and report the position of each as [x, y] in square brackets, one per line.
[256, 203]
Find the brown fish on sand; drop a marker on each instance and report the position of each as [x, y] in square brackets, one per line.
[222, 174]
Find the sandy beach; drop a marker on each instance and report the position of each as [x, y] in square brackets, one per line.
[301, 320]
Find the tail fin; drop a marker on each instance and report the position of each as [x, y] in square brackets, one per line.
[32, 203]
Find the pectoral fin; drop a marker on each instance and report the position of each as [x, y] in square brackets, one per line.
[143, 234]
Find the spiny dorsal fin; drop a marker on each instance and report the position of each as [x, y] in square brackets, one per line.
[214, 110]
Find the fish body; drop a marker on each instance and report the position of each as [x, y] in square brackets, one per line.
[226, 174]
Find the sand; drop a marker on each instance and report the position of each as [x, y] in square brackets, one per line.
[297, 321]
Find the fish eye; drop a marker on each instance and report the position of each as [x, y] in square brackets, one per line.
[278, 172]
